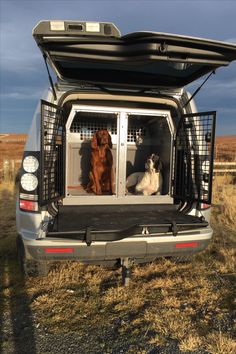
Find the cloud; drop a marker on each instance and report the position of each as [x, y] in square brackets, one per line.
[222, 84]
[23, 73]
[231, 40]
[21, 96]
[18, 54]
[221, 88]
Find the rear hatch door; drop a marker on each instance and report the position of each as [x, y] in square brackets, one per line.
[96, 53]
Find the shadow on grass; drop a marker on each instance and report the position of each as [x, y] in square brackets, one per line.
[16, 321]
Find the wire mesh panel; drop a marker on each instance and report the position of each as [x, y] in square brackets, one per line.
[193, 168]
[85, 124]
[52, 153]
[135, 132]
[137, 129]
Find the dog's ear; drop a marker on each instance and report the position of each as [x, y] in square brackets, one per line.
[94, 142]
[159, 165]
[109, 141]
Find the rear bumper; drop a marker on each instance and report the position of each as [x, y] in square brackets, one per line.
[139, 247]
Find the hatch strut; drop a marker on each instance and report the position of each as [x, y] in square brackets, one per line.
[199, 88]
[50, 78]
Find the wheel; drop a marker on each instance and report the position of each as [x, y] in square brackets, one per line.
[29, 267]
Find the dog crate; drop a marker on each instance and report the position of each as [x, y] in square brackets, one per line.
[149, 134]
[135, 134]
[81, 127]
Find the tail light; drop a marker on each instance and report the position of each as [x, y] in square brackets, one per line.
[59, 250]
[28, 205]
[205, 206]
[29, 181]
[187, 245]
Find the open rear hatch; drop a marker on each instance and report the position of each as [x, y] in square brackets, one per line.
[97, 54]
[115, 222]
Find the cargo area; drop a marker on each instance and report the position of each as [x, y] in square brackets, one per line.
[135, 135]
[116, 222]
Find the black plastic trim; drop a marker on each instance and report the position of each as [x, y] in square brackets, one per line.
[88, 235]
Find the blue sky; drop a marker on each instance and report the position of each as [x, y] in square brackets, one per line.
[23, 74]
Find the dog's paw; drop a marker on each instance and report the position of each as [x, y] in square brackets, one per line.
[138, 188]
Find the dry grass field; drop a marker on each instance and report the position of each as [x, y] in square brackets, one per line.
[11, 146]
[168, 308]
[11, 150]
[225, 148]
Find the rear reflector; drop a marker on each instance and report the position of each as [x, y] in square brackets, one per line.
[58, 250]
[205, 206]
[189, 244]
[28, 205]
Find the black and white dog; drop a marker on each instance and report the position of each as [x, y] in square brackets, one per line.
[150, 181]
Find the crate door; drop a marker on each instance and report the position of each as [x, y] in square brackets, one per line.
[194, 150]
[52, 180]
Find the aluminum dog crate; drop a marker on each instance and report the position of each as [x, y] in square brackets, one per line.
[135, 133]
[79, 136]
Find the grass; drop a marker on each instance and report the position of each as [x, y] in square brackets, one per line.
[191, 305]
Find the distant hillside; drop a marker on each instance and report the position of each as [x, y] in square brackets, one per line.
[13, 138]
[12, 146]
[225, 148]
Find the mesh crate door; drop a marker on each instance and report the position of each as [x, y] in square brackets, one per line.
[194, 150]
[52, 181]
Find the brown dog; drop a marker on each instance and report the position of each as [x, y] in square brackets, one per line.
[101, 175]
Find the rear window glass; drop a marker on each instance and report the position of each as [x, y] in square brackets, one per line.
[158, 73]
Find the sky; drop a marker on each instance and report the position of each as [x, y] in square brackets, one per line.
[23, 75]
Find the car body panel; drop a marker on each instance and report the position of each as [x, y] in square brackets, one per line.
[135, 247]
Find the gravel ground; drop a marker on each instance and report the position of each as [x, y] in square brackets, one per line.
[38, 341]
[22, 334]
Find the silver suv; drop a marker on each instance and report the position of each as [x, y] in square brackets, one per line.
[133, 87]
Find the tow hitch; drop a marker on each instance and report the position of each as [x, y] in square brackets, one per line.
[125, 270]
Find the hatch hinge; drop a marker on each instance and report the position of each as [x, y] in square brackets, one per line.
[163, 47]
[174, 228]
